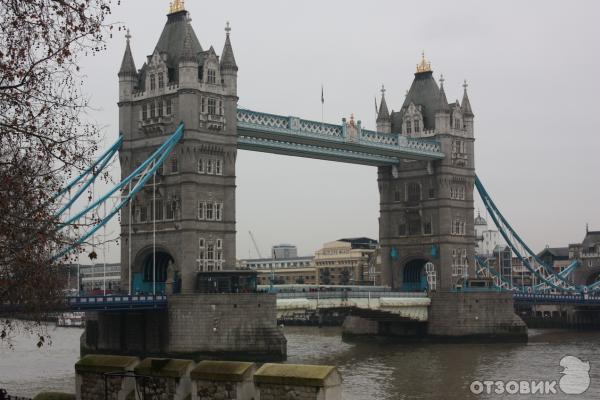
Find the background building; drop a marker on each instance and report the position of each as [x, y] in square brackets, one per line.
[347, 262]
[284, 251]
[486, 239]
[92, 277]
[287, 276]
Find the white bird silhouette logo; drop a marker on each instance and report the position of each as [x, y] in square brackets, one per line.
[576, 375]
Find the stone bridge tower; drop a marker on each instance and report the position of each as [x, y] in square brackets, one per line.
[427, 207]
[188, 216]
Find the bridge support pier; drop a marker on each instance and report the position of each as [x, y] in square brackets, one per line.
[452, 316]
[196, 326]
[478, 316]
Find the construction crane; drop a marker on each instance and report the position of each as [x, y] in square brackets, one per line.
[255, 245]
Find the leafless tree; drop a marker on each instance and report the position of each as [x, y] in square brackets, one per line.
[44, 141]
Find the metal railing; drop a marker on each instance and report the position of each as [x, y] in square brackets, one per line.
[117, 302]
[557, 298]
[349, 295]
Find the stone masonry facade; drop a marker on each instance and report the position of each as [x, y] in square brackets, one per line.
[427, 206]
[193, 200]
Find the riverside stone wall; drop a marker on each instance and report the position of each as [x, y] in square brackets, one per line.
[166, 379]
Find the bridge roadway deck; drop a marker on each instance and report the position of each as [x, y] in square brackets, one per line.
[288, 302]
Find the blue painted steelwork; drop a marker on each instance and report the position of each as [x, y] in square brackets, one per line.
[541, 298]
[500, 281]
[548, 278]
[298, 137]
[142, 173]
[117, 302]
[101, 163]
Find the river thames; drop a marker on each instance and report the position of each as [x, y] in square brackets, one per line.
[378, 370]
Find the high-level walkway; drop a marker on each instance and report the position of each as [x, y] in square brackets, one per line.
[346, 142]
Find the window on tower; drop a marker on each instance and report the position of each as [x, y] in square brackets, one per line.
[218, 211]
[161, 80]
[417, 126]
[212, 76]
[218, 167]
[152, 110]
[458, 227]
[408, 127]
[152, 82]
[212, 106]
[414, 192]
[159, 107]
[427, 229]
[159, 210]
[402, 229]
[144, 111]
[169, 106]
[397, 194]
[201, 208]
[170, 210]
[174, 165]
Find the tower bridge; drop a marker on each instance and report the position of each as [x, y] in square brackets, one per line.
[182, 227]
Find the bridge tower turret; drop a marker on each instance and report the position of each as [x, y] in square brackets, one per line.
[427, 206]
[186, 222]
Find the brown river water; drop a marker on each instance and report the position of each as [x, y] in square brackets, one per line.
[373, 370]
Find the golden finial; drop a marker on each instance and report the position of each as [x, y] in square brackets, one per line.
[176, 6]
[425, 65]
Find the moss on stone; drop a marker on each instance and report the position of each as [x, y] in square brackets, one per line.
[294, 374]
[98, 363]
[164, 367]
[54, 396]
[234, 371]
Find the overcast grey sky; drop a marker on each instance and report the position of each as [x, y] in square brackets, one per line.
[532, 68]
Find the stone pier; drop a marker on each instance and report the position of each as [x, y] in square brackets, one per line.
[197, 326]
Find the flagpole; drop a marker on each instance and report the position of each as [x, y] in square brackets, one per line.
[322, 105]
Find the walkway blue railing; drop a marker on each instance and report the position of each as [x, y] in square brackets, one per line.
[117, 302]
[556, 298]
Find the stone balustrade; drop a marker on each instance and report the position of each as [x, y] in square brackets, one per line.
[100, 377]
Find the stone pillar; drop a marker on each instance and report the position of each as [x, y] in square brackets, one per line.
[225, 380]
[91, 380]
[477, 316]
[165, 378]
[298, 382]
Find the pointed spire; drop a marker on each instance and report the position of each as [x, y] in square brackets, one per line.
[443, 105]
[227, 57]
[384, 114]
[187, 53]
[466, 104]
[128, 65]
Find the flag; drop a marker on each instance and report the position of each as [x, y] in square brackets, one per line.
[322, 95]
